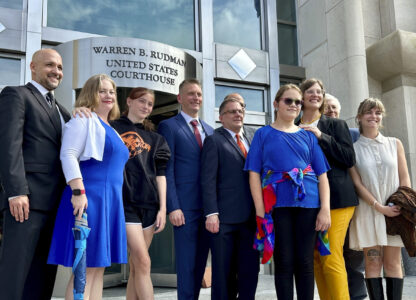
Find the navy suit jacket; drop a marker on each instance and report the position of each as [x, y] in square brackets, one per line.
[182, 173]
[224, 183]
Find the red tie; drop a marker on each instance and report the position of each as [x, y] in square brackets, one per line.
[194, 124]
[241, 145]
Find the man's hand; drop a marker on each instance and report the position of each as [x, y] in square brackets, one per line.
[19, 208]
[82, 112]
[212, 223]
[177, 218]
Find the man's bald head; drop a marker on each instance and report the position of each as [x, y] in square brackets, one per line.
[40, 54]
[237, 97]
[46, 67]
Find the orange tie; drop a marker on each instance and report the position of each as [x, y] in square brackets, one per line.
[241, 145]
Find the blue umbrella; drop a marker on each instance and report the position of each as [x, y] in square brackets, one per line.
[79, 268]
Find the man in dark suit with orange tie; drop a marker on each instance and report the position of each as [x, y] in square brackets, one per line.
[228, 206]
[185, 134]
[31, 178]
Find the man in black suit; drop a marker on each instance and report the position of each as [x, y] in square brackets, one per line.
[228, 206]
[31, 178]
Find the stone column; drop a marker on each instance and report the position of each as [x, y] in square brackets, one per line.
[33, 33]
[347, 57]
[392, 62]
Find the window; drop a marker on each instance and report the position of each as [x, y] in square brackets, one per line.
[171, 22]
[287, 32]
[15, 4]
[237, 22]
[9, 71]
[253, 98]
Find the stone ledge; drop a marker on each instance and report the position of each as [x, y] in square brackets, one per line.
[393, 55]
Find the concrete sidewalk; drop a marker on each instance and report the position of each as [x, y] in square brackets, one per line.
[265, 291]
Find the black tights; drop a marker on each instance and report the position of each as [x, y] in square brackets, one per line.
[295, 238]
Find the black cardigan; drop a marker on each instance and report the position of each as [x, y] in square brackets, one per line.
[336, 143]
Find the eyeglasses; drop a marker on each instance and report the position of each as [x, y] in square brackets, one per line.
[290, 101]
[233, 111]
[312, 91]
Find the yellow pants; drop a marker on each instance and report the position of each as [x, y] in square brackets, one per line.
[330, 273]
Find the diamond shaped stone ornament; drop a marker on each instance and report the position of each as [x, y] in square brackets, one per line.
[242, 64]
[2, 27]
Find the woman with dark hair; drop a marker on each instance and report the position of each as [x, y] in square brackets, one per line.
[381, 168]
[93, 158]
[144, 188]
[290, 190]
[335, 140]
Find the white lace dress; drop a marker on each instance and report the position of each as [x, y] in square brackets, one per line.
[377, 165]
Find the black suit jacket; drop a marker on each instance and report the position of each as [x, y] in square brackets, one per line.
[225, 187]
[336, 143]
[29, 152]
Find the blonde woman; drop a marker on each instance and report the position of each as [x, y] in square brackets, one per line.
[93, 158]
[380, 169]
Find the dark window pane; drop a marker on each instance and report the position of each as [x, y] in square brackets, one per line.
[171, 22]
[253, 98]
[9, 71]
[237, 22]
[288, 46]
[15, 4]
[286, 10]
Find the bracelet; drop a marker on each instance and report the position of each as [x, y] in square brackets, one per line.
[374, 203]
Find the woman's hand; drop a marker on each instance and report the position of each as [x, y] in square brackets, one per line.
[260, 213]
[323, 220]
[389, 211]
[160, 221]
[80, 204]
[312, 129]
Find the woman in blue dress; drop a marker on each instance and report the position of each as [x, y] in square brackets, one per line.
[93, 158]
[290, 190]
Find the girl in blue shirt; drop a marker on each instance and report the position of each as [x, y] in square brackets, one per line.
[290, 190]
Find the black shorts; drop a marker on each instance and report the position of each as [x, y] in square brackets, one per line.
[143, 216]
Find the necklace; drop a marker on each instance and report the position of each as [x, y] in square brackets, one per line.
[317, 118]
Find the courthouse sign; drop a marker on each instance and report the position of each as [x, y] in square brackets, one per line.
[129, 62]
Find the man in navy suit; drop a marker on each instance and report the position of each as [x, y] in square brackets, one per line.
[31, 178]
[228, 206]
[185, 134]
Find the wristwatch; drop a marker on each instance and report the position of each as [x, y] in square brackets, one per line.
[77, 192]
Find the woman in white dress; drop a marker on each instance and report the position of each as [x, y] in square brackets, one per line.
[380, 169]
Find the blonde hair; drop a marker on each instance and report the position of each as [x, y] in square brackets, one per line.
[367, 105]
[89, 96]
[306, 84]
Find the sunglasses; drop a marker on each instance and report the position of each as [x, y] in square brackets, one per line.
[290, 101]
